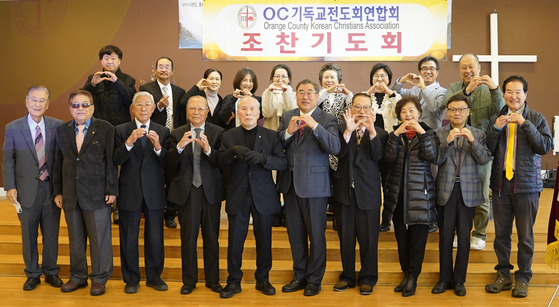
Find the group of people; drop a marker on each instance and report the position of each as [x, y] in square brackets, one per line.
[184, 152]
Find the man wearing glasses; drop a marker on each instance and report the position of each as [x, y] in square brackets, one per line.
[85, 185]
[140, 149]
[425, 87]
[309, 135]
[485, 101]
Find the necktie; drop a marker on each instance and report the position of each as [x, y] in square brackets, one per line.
[300, 130]
[80, 136]
[510, 151]
[197, 175]
[168, 111]
[359, 136]
[459, 142]
[144, 137]
[40, 148]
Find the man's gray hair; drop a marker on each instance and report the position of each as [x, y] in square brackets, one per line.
[38, 87]
[142, 93]
[250, 98]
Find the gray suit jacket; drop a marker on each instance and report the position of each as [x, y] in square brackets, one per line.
[470, 158]
[20, 168]
[432, 110]
[307, 157]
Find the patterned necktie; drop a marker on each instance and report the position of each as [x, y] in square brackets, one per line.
[359, 136]
[168, 110]
[144, 137]
[510, 152]
[300, 130]
[197, 175]
[79, 137]
[40, 148]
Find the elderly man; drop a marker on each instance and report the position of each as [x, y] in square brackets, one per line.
[29, 150]
[517, 137]
[197, 188]
[250, 153]
[485, 100]
[85, 185]
[309, 135]
[140, 149]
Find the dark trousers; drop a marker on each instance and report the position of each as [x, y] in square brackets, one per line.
[363, 225]
[198, 211]
[154, 254]
[384, 169]
[238, 229]
[522, 208]
[306, 218]
[411, 241]
[454, 215]
[43, 214]
[95, 225]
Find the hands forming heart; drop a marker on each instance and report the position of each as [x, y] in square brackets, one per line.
[101, 76]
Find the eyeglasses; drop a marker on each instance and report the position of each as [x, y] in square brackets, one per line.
[141, 105]
[83, 105]
[381, 76]
[460, 110]
[192, 109]
[302, 94]
[431, 69]
[281, 77]
[365, 108]
[36, 100]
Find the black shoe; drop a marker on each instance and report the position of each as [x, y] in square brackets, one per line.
[294, 286]
[384, 228]
[409, 289]
[187, 289]
[311, 289]
[31, 283]
[433, 227]
[158, 285]
[401, 286]
[459, 289]
[278, 218]
[441, 287]
[170, 222]
[54, 281]
[131, 288]
[266, 288]
[230, 290]
[214, 286]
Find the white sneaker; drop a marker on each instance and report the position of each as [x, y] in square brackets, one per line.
[455, 242]
[477, 243]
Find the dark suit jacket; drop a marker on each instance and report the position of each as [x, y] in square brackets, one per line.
[258, 176]
[308, 157]
[181, 165]
[20, 168]
[160, 117]
[85, 178]
[359, 166]
[212, 118]
[141, 172]
[112, 100]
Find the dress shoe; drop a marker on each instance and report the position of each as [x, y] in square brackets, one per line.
[158, 285]
[459, 289]
[366, 289]
[441, 287]
[31, 283]
[214, 286]
[311, 289]
[294, 286]
[131, 288]
[266, 288]
[384, 228]
[342, 286]
[53, 280]
[401, 286]
[71, 286]
[230, 290]
[409, 289]
[500, 283]
[433, 227]
[170, 222]
[97, 289]
[187, 289]
[520, 289]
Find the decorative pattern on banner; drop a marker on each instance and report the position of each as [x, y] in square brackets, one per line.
[324, 30]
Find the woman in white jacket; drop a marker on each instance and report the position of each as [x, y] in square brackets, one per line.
[278, 97]
[384, 99]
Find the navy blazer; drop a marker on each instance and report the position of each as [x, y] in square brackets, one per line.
[258, 176]
[141, 173]
[160, 117]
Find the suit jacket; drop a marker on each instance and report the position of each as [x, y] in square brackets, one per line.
[85, 178]
[112, 100]
[358, 164]
[470, 158]
[308, 162]
[433, 108]
[212, 117]
[258, 177]
[160, 117]
[20, 167]
[141, 172]
[181, 165]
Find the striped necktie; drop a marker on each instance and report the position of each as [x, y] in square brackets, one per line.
[40, 148]
[196, 172]
[168, 111]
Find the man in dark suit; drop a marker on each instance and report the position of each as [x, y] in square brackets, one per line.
[357, 188]
[140, 148]
[169, 113]
[461, 150]
[85, 185]
[197, 187]
[309, 135]
[250, 153]
[29, 150]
